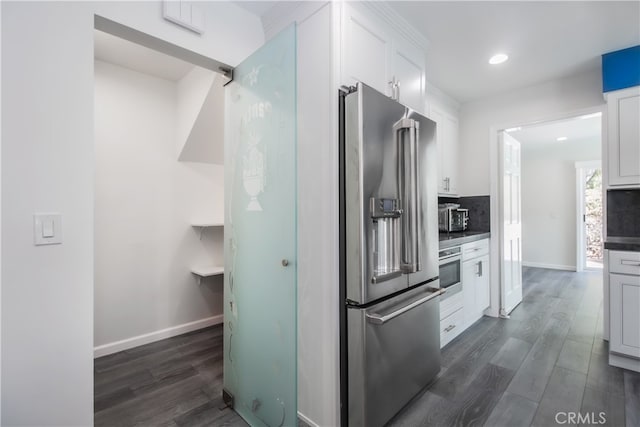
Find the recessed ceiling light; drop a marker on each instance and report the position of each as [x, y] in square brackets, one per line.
[561, 138]
[498, 58]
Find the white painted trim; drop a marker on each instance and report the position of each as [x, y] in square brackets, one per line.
[624, 362]
[302, 417]
[495, 190]
[549, 266]
[397, 23]
[173, 331]
[283, 14]
[581, 258]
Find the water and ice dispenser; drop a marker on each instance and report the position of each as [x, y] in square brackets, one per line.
[386, 239]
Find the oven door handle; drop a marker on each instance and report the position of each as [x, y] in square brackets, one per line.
[378, 319]
[448, 258]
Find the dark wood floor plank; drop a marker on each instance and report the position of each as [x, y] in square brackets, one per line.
[596, 403]
[512, 353]
[427, 409]
[452, 352]
[556, 397]
[477, 401]
[159, 406]
[460, 374]
[575, 356]
[532, 377]
[204, 415]
[604, 377]
[107, 384]
[512, 410]
[632, 397]
[533, 319]
[583, 328]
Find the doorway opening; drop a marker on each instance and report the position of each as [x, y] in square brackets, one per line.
[195, 222]
[549, 207]
[589, 216]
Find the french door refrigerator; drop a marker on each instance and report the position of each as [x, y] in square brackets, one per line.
[390, 346]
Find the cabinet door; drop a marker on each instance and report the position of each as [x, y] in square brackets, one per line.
[438, 117]
[366, 50]
[450, 126]
[623, 136]
[447, 141]
[469, 284]
[625, 314]
[408, 69]
[483, 291]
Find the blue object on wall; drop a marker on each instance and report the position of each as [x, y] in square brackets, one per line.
[621, 69]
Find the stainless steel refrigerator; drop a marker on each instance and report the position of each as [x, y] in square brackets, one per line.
[389, 255]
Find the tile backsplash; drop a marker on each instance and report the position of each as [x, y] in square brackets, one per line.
[623, 213]
[479, 210]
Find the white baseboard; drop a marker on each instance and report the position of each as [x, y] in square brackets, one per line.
[549, 266]
[132, 342]
[307, 420]
[624, 362]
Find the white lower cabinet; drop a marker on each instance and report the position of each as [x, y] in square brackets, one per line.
[624, 303]
[451, 326]
[475, 287]
[461, 310]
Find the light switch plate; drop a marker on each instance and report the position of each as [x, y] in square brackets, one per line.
[47, 229]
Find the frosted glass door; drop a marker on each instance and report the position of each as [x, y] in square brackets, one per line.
[260, 235]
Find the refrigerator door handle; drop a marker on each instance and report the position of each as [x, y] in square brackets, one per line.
[378, 319]
[409, 192]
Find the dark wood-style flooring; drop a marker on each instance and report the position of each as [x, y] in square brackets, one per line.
[174, 382]
[549, 357]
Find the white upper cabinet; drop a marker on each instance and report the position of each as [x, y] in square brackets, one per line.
[366, 50]
[623, 136]
[374, 53]
[447, 140]
[408, 70]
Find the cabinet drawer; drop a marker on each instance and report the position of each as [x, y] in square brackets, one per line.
[451, 326]
[624, 262]
[475, 249]
[451, 304]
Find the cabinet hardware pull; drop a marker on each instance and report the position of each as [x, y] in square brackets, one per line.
[629, 262]
[449, 328]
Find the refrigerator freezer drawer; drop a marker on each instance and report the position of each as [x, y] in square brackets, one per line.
[393, 353]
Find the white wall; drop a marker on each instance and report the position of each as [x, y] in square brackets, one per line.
[144, 202]
[318, 302]
[548, 185]
[192, 92]
[523, 106]
[48, 165]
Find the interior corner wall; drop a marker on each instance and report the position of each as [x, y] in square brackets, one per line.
[518, 107]
[145, 202]
[548, 183]
[48, 165]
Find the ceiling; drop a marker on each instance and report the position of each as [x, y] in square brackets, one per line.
[130, 55]
[545, 40]
[577, 129]
[257, 7]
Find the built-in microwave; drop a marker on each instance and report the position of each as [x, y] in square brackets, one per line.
[450, 261]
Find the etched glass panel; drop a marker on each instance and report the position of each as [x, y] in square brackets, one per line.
[260, 235]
